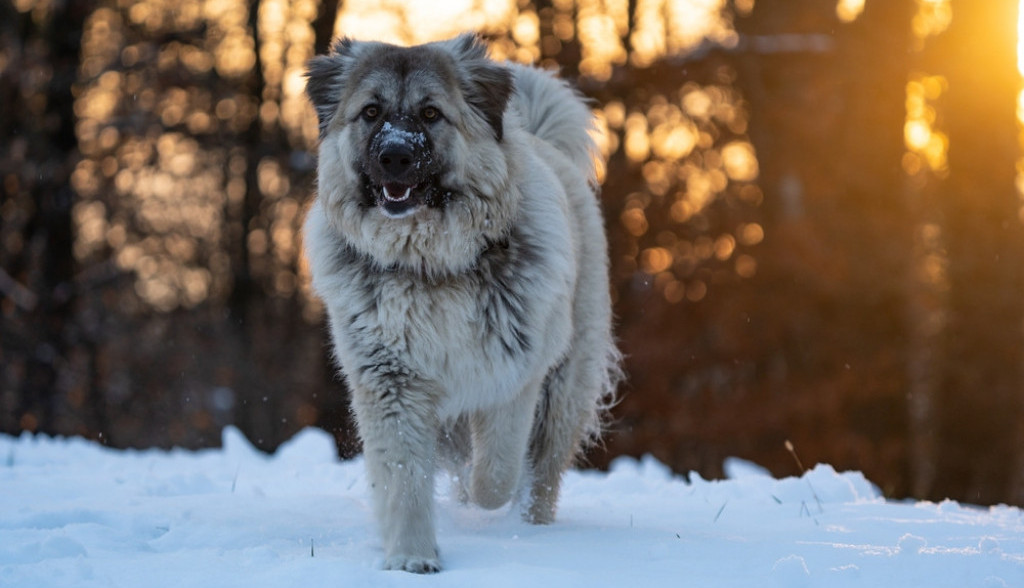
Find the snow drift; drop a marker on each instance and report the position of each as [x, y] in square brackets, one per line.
[76, 514]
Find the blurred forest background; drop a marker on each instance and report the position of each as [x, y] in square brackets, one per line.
[814, 208]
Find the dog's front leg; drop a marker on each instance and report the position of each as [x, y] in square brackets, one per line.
[399, 430]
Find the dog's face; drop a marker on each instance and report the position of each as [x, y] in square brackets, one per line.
[411, 144]
[401, 112]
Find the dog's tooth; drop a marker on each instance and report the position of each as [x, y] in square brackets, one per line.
[389, 196]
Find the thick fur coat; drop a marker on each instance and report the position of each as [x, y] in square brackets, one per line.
[458, 246]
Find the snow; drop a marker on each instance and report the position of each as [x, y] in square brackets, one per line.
[76, 514]
[391, 134]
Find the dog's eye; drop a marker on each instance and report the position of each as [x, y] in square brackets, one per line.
[371, 112]
[430, 114]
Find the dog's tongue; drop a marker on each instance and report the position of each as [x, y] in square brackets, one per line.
[396, 192]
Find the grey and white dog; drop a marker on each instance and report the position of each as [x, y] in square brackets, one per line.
[458, 245]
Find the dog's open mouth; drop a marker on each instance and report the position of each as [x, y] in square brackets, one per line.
[397, 200]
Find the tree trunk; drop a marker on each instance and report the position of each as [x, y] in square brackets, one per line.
[827, 124]
[323, 26]
[37, 129]
[980, 397]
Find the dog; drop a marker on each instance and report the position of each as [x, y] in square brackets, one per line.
[457, 243]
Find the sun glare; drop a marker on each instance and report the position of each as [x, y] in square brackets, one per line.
[1020, 37]
[849, 10]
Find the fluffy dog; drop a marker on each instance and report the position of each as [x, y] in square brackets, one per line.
[458, 246]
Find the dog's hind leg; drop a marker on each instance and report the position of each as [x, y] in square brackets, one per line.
[500, 436]
[568, 418]
[553, 445]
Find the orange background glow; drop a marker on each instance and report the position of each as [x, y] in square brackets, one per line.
[814, 209]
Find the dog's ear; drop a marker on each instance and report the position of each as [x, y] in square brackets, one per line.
[325, 79]
[486, 85]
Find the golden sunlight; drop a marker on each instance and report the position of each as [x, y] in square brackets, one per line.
[927, 147]
[420, 21]
[1020, 108]
[932, 18]
[1020, 41]
[849, 10]
[663, 27]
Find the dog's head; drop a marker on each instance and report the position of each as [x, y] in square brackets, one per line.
[401, 128]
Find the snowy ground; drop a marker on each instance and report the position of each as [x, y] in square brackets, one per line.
[75, 514]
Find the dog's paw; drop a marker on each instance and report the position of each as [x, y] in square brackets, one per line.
[538, 512]
[413, 563]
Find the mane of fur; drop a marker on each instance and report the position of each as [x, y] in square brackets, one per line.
[554, 112]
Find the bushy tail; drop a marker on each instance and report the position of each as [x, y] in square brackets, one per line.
[556, 113]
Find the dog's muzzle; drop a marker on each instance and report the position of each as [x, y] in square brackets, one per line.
[400, 167]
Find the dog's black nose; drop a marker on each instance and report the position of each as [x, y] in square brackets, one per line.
[396, 159]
